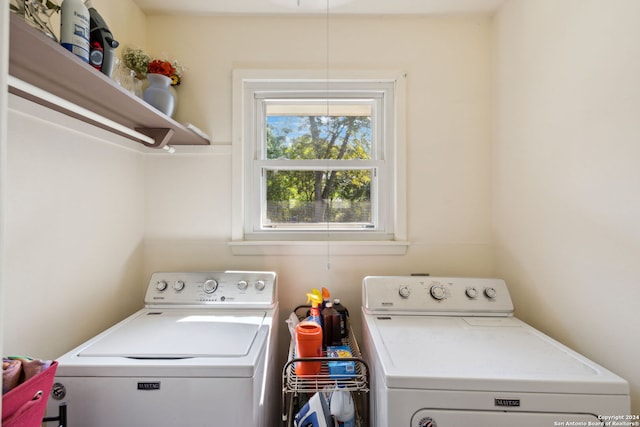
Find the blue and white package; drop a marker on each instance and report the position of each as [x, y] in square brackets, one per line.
[315, 413]
[340, 368]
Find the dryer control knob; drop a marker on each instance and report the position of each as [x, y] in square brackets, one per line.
[404, 291]
[242, 285]
[472, 293]
[210, 286]
[490, 293]
[427, 422]
[161, 285]
[260, 285]
[438, 292]
[178, 285]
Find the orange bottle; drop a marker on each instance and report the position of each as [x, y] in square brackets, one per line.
[308, 344]
[309, 340]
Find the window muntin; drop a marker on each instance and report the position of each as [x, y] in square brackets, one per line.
[317, 161]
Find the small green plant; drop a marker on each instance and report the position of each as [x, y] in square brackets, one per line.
[141, 63]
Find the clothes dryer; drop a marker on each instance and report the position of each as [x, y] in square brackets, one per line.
[448, 352]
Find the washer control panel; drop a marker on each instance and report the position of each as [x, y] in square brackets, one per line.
[233, 289]
[427, 295]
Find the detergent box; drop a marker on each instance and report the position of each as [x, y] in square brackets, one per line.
[340, 368]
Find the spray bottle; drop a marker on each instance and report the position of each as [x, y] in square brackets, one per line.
[315, 299]
[326, 297]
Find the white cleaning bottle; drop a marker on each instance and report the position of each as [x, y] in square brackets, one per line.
[74, 28]
[342, 408]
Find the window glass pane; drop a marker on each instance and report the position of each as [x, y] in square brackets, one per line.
[318, 197]
[311, 129]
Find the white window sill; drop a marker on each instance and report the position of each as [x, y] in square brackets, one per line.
[251, 247]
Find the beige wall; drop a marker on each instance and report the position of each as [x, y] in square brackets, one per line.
[448, 120]
[73, 221]
[566, 175]
[126, 21]
[74, 231]
[91, 216]
[548, 202]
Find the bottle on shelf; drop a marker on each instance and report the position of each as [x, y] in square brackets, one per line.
[74, 28]
[344, 318]
[308, 336]
[330, 326]
[342, 408]
[101, 42]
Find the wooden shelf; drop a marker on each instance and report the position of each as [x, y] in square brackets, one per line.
[39, 61]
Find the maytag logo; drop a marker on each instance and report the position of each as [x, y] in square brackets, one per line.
[149, 386]
[507, 402]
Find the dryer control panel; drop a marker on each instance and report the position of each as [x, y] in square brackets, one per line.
[428, 295]
[232, 289]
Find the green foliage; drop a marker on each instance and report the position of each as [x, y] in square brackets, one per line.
[307, 196]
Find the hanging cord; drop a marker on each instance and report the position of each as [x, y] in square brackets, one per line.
[327, 24]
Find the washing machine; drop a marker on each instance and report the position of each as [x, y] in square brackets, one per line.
[449, 352]
[202, 352]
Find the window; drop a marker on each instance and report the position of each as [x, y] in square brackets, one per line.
[317, 160]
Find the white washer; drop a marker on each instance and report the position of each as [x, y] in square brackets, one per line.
[201, 353]
[447, 352]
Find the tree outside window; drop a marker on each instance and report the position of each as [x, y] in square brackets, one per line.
[306, 193]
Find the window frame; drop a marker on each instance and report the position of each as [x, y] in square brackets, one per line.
[254, 227]
[246, 163]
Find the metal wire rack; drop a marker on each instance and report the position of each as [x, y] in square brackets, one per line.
[296, 390]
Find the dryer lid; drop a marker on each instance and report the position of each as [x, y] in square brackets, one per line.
[174, 333]
[482, 353]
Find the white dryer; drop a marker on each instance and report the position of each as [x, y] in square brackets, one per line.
[202, 352]
[448, 352]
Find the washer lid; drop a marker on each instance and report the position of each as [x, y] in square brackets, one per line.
[480, 353]
[173, 333]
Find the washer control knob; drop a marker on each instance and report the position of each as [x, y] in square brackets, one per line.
[490, 293]
[472, 293]
[178, 285]
[404, 291]
[438, 292]
[242, 285]
[260, 285]
[210, 286]
[161, 285]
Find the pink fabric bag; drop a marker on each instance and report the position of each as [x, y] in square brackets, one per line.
[25, 405]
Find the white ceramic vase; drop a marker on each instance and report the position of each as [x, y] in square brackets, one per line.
[158, 93]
